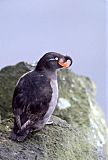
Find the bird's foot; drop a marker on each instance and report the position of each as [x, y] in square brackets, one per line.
[49, 122]
[20, 137]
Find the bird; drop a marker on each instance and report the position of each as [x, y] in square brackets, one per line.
[35, 95]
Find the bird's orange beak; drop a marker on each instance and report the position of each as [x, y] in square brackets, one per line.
[65, 64]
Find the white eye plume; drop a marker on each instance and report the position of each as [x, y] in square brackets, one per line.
[56, 58]
[53, 59]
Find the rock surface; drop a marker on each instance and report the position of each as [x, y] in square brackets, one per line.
[79, 131]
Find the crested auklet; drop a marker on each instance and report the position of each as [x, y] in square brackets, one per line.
[35, 95]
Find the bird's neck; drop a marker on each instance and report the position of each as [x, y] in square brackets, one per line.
[51, 74]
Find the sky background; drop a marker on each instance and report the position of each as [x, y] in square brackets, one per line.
[30, 28]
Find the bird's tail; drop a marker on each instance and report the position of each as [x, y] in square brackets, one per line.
[17, 134]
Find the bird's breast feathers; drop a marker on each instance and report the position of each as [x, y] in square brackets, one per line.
[53, 102]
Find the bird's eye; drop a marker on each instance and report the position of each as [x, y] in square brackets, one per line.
[56, 58]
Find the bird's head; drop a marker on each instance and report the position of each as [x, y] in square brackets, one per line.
[53, 61]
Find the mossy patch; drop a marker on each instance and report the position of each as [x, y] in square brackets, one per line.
[79, 131]
[60, 141]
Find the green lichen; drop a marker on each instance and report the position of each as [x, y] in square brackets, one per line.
[78, 133]
[60, 141]
[8, 78]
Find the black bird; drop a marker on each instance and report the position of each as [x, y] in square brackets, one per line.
[35, 96]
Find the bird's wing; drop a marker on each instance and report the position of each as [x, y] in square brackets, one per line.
[31, 99]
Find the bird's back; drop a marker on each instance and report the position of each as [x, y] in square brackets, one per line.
[32, 96]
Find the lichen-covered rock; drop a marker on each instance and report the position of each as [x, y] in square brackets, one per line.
[79, 133]
[79, 106]
[60, 141]
[8, 78]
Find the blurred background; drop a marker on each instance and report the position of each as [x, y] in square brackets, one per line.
[29, 28]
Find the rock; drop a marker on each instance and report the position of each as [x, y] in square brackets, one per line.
[79, 131]
[60, 141]
[8, 78]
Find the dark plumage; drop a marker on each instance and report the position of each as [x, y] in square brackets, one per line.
[36, 94]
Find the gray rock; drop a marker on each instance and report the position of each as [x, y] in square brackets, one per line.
[79, 131]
